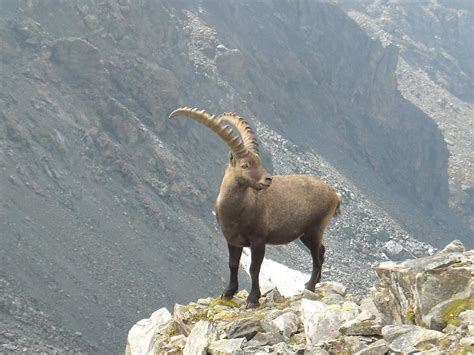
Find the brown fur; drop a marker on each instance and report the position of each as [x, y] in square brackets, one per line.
[254, 209]
[292, 207]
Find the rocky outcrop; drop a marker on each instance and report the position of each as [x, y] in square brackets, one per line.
[424, 304]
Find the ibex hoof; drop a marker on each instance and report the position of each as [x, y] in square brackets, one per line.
[251, 305]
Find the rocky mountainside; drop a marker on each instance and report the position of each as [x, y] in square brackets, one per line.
[106, 206]
[401, 314]
[435, 72]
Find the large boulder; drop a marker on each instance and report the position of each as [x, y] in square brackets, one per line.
[411, 338]
[322, 321]
[202, 335]
[141, 335]
[421, 291]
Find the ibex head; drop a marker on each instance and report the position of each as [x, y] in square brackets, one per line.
[244, 160]
[248, 170]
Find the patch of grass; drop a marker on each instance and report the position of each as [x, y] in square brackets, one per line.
[464, 350]
[199, 316]
[223, 302]
[457, 264]
[410, 314]
[283, 304]
[444, 343]
[188, 307]
[451, 313]
[172, 331]
[296, 340]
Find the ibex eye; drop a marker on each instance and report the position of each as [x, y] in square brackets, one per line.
[245, 166]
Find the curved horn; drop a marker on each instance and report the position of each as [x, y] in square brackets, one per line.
[224, 131]
[246, 131]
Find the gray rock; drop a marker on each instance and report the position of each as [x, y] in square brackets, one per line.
[331, 287]
[202, 334]
[227, 346]
[439, 287]
[142, 333]
[322, 322]
[284, 348]
[376, 348]
[246, 327]
[408, 291]
[455, 246]
[287, 323]
[436, 319]
[309, 295]
[368, 304]
[468, 342]
[267, 338]
[333, 298]
[467, 319]
[364, 324]
[407, 338]
[272, 297]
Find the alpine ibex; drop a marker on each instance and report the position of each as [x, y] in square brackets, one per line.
[255, 209]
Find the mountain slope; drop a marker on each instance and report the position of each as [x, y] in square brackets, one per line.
[435, 72]
[101, 193]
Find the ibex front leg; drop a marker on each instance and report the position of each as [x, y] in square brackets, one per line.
[258, 252]
[234, 261]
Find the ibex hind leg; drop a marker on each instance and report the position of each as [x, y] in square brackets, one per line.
[313, 241]
[234, 260]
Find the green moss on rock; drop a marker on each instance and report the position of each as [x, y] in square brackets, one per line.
[451, 313]
[223, 302]
[410, 314]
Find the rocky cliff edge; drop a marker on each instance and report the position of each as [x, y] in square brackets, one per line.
[422, 305]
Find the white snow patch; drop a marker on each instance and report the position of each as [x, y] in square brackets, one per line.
[273, 274]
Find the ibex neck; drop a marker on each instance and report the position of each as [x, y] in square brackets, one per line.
[233, 197]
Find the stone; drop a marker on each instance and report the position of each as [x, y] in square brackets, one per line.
[395, 251]
[227, 346]
[205, 301]
[448, 312]
[322, 322]
[333, 298]
[246, 327]
[439, 287]
[142, 333]
[378, 347]
[266, 338]
[455, 246]
[309, 295]
[284, 348]
[202, 334]
[410, 338]
[177, 341]
[364, 324]
[331, 287]
[368, 304]
[287, 323]
[467, 317]
[409, 290]
[272, 297]
[468, 342]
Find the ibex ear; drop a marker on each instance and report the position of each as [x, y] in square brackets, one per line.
[232, 160]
